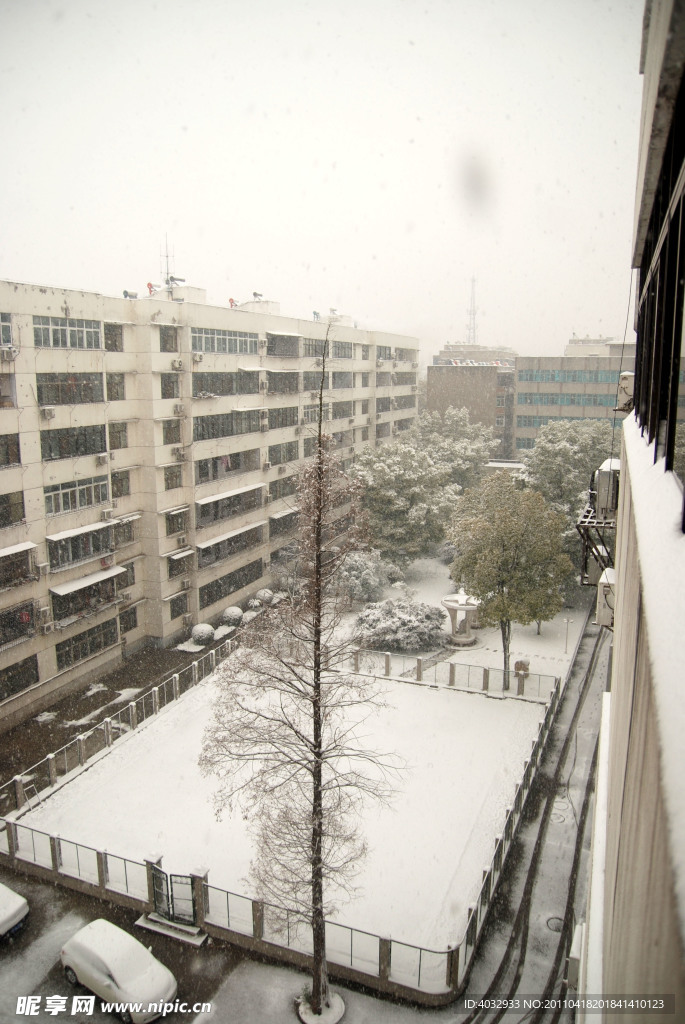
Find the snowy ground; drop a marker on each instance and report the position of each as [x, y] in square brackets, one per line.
[465, 754]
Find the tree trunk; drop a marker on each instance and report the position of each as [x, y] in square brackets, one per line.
[505, 627]
[539, 622]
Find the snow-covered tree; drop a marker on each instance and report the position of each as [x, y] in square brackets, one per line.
[282, 741]
[401, 626]
[509, 554]
[407, 498]
[365, 575]
[452, 441]
[565, 456]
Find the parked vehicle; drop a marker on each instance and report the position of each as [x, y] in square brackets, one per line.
[118, 969]
[13, 911]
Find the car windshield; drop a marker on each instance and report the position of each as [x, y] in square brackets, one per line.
[127, 962]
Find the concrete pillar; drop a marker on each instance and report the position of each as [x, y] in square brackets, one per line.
[55, 853]
[12, 839]
[155, 700]
[19, 794]
[486, 678]
[103, 874]
[150, 862]
[198, 879]
[134, 714]
[81, 749]
[176, 685]
[452, 975]
[520, 680]
[453, 674]
[52, 769]
[257, 920]
[419, 669]
[356, 661]
[384, 959]
[387, 664]
[196, 674]
[107, 724]
[212, 660]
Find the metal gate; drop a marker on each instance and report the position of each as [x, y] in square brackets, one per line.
[173, 896]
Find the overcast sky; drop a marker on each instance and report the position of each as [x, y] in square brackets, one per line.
[368, 155]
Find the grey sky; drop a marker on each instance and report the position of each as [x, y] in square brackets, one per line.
[369, 156]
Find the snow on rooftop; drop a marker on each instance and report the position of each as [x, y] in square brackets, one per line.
[465, 754]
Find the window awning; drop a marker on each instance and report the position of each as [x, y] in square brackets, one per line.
[129, 518]
[183, 553]
[179, 593]
[286, 512]
[228, 494]
[86, 581]
[15, 548]
[174, 511]
[249, 369]
[282, 371]
[233, 533]
[104, 525]
[281, 334]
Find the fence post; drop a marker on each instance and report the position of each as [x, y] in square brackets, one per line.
[521, 680]
[19, 794]
[198, 880]
[103, 874]
[486, 678]
[107, 724]
[419, 670]
[12, 838]
[55, 853]
[453, 674]
[176, 686]
[195, 673]
[384, 958]
[155, 700]
[134, 714]
[387, 664]
[257, 920]
[151, 862]
[81, 749]
[52, 770]
[452, 975]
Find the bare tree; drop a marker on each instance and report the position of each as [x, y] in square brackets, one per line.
[283, 741]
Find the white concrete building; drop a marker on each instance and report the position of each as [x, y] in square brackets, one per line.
[148, 451]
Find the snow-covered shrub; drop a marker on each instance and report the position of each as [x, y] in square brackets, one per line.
[265, 596]
[250, 615]
[202, 634]
[254, 603]
[401, 626]
[364, 576]
[232, 615]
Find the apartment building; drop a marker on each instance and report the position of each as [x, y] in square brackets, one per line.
[486, 389]
[634, 933]
[148, 457]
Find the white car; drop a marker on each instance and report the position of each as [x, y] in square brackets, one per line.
[118, 969]
[13, 910]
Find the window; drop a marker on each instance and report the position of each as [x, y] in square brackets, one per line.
[383, 380]
[365, 407]
[58, 332]
[366, 351]
[282, 345]
[175, 522]
[383, 430]
[123, 534]
[171, 386]
[79, 547]
[225, 586]
[128, 620]
[229, 546]
[499, 421]
[114, 338]
[556, 398]
[83, 645]
[309, 447]
[382, 405]
[5, 329]
[342, 380]
[178, 605]
[16, 567]
[342, 350]
[16, 623]
[283, 417]
[11, 510]
[283, 487]
[209, 512]
[207, 339]
[283, 383]
[288, 452]
[224, 465]
[171, 432]
[404, 378]
[365, 434]
[72, 441]
[127, 578]
[310, 413]
[282, 524]
[405, 402]
[116, 391]
[173, 477]
[383, 352]
[500, 401]
[118, 435]
[365, 380]
[75, 494]
[225, 424]
[314, 348]
[404, 355]
[343, 410]
[168, 339]
[311, 380]
[121, 483]
[177, 566]
[525, 442]
[18, 677]
[8, 391]
[244, 382]
[68, 388]
[85, 599]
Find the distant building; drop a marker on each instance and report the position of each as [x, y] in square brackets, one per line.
[148, 452]
[485, 389]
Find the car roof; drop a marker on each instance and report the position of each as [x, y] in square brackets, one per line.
[113, 944]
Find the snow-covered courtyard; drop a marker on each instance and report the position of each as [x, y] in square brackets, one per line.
[464, 753]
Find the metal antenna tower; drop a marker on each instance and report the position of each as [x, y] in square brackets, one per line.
[471, 338]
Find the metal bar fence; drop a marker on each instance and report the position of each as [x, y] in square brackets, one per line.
[33, 846]
[78, 860]
[126, 876]
[228, 910]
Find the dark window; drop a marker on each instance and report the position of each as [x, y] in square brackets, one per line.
[114, 338]
[16, 622]
[311, 380]
[283, 487]
[283, 383]
[15, 567]
[128, 578]
[282, 524]
[71, 441]
[178, 605]
[177, 566]
[283, 417]
[116, 391]
[288, 452]
[11, 510]
[80, 547]
[9, 450]
[283, 346]
[171, 387]
[85, 599]
[209, 339]
[224, 465]
[5, 329]
[342, 380]
[168, 340]
[312, 347]
[171, 432]
[225, 508]
[309, 447]
[383, 380]
[230, 546]
[18, 677]
[382, 405]
[342, 410]
[405, 402]
[84, 645]
[225, 424]
[118, 435]
[68, 388]
[342, 350]
[366, 351]
[173, 477]
[175, 522]
[121, 483]
[123, 534]
[58, 332]
[383, 352]
[365, 380]
[225, 586]
[128, 620]
[75, 494]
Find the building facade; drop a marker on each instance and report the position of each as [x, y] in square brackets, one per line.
[634, 933]
[148, 457]
[485, 389]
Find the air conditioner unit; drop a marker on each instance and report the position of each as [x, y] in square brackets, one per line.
[264, 427]
[7, 354]
[298, 430]
[282, 469]
[106, 561]
[44, 614]
[107, 513]
[369, 419]
[313, 395]
[43, 568]
[415, 366]
[47, 627]
[48, 412]
[264, 414]
[378, 415]
[414, 387]
[181, 540]
[263, 385]
[176, 364]
[102, 459]
[351, 419]
[395, 365]
[178, 454]
[379, 362]
[187, 619]
[124, 596]
[185, 584]
[302, 422]
[179, 410]
[197, 357]
[266, 465]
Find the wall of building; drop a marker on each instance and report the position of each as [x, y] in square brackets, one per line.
[181, 427]
[487, 391]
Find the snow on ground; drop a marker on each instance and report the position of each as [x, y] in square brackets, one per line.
[465, 753]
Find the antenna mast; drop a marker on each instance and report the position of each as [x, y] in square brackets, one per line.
[471, 338]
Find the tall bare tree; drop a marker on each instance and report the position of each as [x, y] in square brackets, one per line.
[283, 741]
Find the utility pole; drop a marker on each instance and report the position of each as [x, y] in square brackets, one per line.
[471, 338]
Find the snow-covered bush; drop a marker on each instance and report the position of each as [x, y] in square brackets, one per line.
[202, 634]
[232, 615]
[254, 603]
[265, 596]
[364, 576]
[401, 626]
